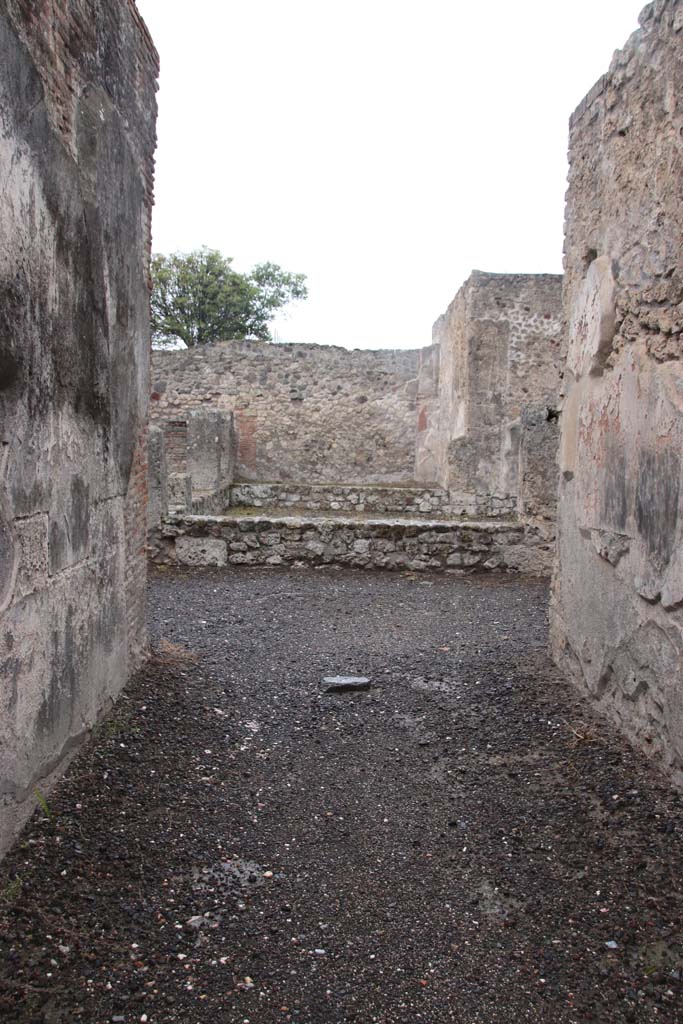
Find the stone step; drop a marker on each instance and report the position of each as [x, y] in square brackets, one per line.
[379, 499]
[399, 542]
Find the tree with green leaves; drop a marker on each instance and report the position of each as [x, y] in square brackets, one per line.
[199, 298]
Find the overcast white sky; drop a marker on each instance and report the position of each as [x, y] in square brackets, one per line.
[383, 147]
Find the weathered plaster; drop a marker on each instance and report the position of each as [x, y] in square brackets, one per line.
[617, 607]
[499, 352]
[77, 117]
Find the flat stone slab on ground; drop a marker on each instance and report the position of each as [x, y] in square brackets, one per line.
[346, 684]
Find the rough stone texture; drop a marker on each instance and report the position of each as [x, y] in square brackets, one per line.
[370, 499]
[210, 504]
[210, 450]
[617, 609]
[201, 551]
[428, 415]
[327, 430]
[416, 545]
[309, 413]
[157, 503]
[499, 350]
[537, 475]
[179, 487]
[77, 116]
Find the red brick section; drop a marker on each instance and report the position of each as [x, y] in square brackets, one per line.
[135, 519]
[62, 37]
[245, 428]
[175, 439]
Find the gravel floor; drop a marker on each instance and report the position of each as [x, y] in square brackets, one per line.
[464, 842]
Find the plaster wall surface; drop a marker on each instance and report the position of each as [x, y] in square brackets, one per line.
[77, 136]
[499, 348]
[617, 604]
[306, 413]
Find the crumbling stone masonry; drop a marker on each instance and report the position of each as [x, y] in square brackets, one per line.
[307, 413]
[77, 110]
[466, 428]
[617, 605]
[496, 375]
[417, 545]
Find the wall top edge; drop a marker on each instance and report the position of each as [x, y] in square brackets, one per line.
[648, 19]
[290, 346]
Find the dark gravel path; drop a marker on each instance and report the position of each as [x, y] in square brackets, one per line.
[463, 843]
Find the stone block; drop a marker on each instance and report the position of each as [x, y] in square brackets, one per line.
[210, 449]
[201, 551]
[32, 565]
[157, 471]
[179, 492]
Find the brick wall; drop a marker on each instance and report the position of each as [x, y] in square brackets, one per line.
[175, 440]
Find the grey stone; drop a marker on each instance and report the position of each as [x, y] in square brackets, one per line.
[157, 476]
[345, 684]
[201, 551]
[179, 492]
[210, 449]
[323, 435]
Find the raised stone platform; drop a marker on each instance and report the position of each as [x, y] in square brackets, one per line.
[411, 543]
[376, 499]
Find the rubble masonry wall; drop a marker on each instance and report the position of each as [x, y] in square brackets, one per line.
[305, 413]
[499, 346]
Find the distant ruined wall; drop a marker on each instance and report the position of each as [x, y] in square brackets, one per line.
[497, 348]
[77, 116]
[306, 413]
[617, 606]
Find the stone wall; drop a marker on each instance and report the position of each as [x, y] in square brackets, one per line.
[498, 351]
[416, 546]
[377, 500]
[77, 110]
[617, 607]
[306, 413]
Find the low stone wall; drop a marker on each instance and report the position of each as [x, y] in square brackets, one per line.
[403, 501]
[342, 498]
[209, 504]
[362, 543]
